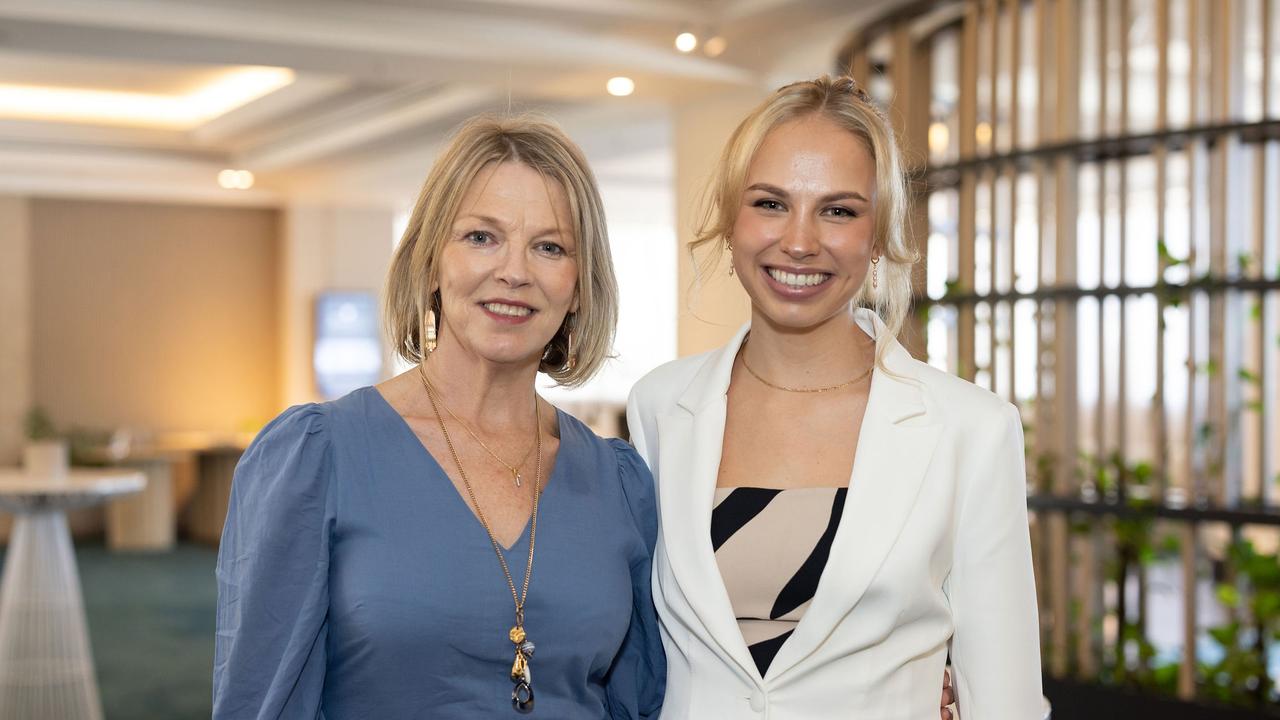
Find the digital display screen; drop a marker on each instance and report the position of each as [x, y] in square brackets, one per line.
[348, 348]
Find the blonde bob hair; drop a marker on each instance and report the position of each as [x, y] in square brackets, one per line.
[538, 143]
[843, 102]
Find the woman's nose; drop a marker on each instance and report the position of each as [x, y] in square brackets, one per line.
[800, 239]
[514, 266]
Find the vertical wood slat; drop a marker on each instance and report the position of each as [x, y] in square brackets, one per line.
[1197, 489]
[1259, 250]
[911, 72]
[860, 66]
[1160, 456]
[1047, 422]
[1014, 10]
[1121, 444]
[1220, 100]
[1189, 550]
[1089, 639]
[965, 367]
[1066, 394]
[1100, 412]
[1186, 676]
[992, 13]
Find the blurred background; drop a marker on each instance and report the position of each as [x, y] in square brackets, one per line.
[198, 202]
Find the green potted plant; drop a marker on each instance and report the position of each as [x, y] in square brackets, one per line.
[45, 455]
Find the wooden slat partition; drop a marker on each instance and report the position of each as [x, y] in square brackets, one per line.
[1190, 272]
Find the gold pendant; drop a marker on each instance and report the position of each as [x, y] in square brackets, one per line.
[519, 668]
[522, 693]
[516, 476]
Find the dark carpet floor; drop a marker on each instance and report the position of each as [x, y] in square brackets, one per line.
[151, 623]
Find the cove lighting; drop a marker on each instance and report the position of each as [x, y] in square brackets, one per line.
[227, 92]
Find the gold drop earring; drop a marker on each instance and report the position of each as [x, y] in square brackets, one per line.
[875, 273]
[728, 245]
[429, 332]
[570, 352]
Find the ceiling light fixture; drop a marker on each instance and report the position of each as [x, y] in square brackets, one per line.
[229, 91]
[686, 42]
[620, 86]
[232, 179]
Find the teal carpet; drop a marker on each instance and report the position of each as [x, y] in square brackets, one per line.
[151, 620]
[151, 623]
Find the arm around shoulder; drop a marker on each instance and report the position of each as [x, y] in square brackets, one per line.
[995, 650]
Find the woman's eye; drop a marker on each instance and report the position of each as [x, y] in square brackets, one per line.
[477, 237]
[549, 248]
[841, 212]
[768, 204]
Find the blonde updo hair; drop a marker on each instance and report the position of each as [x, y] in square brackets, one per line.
[541, 145]
[843, 102]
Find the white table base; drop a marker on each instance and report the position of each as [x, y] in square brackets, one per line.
[46, 667]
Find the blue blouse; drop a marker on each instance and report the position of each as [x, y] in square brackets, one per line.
[355, 582]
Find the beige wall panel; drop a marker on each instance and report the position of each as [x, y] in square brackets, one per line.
[711, 310]
[156, 317]
[324, 247]
[15, 326]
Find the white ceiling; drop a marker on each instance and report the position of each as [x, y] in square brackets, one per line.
[372, 77]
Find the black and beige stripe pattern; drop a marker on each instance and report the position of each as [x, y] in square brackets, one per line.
[772, 546]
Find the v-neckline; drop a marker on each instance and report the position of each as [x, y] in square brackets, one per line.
[454, 490]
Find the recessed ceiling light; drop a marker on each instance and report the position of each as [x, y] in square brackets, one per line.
[233, 179]
[686, 42]
[715, 46]
[620, 86]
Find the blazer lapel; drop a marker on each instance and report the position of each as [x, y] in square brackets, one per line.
[691, 438]
[895, 445]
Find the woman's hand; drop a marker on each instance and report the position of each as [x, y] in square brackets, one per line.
[948, 695]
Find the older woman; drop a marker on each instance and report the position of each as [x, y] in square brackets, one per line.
[446, 544]
[837, 516]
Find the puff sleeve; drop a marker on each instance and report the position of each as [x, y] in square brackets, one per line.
[272, 571]
[637, 679]
[995, 650]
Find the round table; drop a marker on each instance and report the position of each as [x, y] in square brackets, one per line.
[46, 666]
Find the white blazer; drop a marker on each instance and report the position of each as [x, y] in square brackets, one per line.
[932, 556]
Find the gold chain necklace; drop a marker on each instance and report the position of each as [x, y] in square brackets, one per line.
[828, 388]
[522, 694]
[516, 477]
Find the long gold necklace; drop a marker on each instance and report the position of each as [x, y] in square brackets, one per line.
[516, 477]
[522, 694]
[827, 388]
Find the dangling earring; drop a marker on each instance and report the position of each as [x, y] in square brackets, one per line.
[429, 332]
[875, 273]
[570, 358]
[728, 245]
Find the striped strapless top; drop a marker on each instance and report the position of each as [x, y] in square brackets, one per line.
[772, 546]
